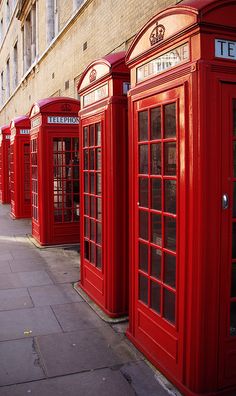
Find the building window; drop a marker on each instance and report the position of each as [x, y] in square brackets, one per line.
[2, 88]
[8, 78]
[29, 38]
[52, 20]
[77, 3]
[15, 65]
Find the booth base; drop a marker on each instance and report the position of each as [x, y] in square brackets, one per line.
[97, 309]
[71, 246]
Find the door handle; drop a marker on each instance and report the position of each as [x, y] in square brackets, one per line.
[225, 201]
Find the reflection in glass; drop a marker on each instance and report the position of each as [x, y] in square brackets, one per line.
[233, 281]
[86, 189]
[143, 125]
[234, 241]
[86, 205]
[234, 200]
[86, 250]
[170, 120]
[170, 233]
[156, 236]
[98, 134]
[155, 296]
[143, 257]
[85, 137]
[86, 227]
[91, 163]
[234, 117]
[98, 159]
[143, 158]
[170, 159]
[143, 288]
[156, 263]
[233, 319]
[143, 224]
[156, 159]
[92, 183]
[99, 209]
[99, 233]
[143, 192]
[91, 135]
[99, 184]
[92, 230]
[170, 196]
[169, 306]
[92, 253]
[99, 257]
[156, 194]
[86, 166]
[234, 157]
[156, 123]
[170, 270]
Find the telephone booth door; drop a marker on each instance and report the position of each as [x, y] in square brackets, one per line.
[4, 164]
[20, 168]
[103, 151]
[55, 171]
[227, 341]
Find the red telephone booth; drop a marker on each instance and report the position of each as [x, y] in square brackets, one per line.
[182, 107]
[20, 167]
[103, 152]
[55, 171]
[5, 135]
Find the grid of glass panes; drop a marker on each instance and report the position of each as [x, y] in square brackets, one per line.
[11, 166]
[34, 177]
[27, 191]
[157, 184]
[92, 194]
[233, 278]
[66, 179]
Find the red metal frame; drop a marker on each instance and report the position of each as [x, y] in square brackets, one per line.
[103, 152]
[55, 171]
[174, 58]
[4, 164]
[20, 168]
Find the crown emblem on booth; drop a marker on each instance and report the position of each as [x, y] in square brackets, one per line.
[157, 34]
[66, 107]
[93, 75]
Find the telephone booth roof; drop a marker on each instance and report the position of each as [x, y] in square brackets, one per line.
[5, 129]
[102, 68]
[178, 20]
[55, 105]
[21, 121]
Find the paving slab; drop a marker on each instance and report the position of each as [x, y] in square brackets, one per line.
[37, 321]
[53, 294]
[64, 276]
[77, 316]
[104, 382]
[24, 279]
[19, 362]
[15, 299]
[26, 265]
[5, 267]
[4, 256]
[83, 350]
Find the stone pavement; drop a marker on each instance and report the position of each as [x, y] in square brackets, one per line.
[51, 342]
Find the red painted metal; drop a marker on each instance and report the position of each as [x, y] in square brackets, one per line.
[103, 152]
[55, 170]
[183, 296]
[20, 167]
[4, 164]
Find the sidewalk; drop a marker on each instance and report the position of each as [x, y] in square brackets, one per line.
[51, 342]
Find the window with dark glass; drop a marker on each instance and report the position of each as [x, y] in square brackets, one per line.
[34, 178]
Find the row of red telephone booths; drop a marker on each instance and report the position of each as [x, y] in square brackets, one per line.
[155, 196]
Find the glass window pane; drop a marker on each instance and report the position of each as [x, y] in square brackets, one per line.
[98, 134]
[156, 123]
[143, 224]
[86, 204]
[156, 159]
[170, 159]
[99, 184]
[98, 159]
[143, 158]
[234, 158]
[93, 207]
[86, 227]
[169, 306]
[86, 189]
[156, 263]
[99, 257]
[92, 253]
[91, 158]
[99, 209]
[170, 270]
[170, 233]
[143, 125]
[92, 230]
[143, 289]
[99, 233]
[91, 135]
[155, 296]
[234, 241]
[143, 192]
[86, 159]
[92, 183]
[234, 117]
[170, 196]
[170, 120]
[156, 194]
[156, 236]
[233, 319]
[233, 281]
[86, 250]
[143, 257]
